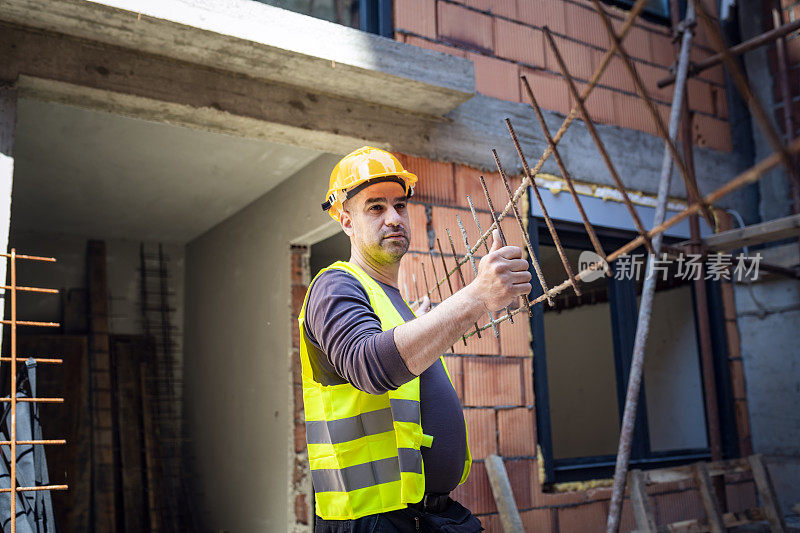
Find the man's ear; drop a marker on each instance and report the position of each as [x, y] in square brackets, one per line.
[347, 222]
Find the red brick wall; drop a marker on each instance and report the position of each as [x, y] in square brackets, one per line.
[494, 380]
[790, 12]
[504, 40]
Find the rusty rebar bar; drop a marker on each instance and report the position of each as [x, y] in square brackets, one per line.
[428, 291]
[596, 137]
[31, 489]
[633, 13]
[746, 92]
[655, 116]
[502, 234]
[474, 266]
[751, 175]
[29, 257]
[34, 442]
[447, 275]
[13, 394]
[648, 291]
[416, 287]
[598, 248]
[482, 239]
[37, 359]
[548, 221]
[31, 400]
[460, 273]
[435, 276]
[30, 289]
[736, 50]
[30, 323]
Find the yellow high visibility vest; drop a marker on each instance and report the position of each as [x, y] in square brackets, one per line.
[363, 449]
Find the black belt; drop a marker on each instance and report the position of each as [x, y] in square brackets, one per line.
[432, 503]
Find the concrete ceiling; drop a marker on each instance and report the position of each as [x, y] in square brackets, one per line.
[100, 175]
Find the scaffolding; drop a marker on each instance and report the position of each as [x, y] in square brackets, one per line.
[697, 204]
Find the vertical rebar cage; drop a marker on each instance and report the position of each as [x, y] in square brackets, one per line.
[10, 291]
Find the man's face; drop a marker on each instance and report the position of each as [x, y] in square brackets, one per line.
[376, 220]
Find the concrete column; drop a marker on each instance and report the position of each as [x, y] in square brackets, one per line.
[8, 121]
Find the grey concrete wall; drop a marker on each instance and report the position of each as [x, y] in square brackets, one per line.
[770, 340]
[238, 408]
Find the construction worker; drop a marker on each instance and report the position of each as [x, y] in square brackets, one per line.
[387, 441]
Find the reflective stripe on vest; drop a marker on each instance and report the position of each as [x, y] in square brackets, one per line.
[363, 449]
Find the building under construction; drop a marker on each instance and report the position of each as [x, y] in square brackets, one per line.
[163, 164]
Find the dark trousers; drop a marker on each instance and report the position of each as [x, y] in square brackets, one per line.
[454, 519]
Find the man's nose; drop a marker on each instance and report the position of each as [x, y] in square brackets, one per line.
[393, 218]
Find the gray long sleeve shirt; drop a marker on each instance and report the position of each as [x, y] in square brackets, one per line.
[341, 322]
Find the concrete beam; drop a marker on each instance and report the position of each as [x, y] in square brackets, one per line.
[265, 43]
[72, 71]
[770, 231]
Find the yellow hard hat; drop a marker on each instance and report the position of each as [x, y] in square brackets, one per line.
[361, 168]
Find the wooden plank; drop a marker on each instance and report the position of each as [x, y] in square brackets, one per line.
[771, 231]
[695, 525]
[71, 463]
[686, 473]
[127, 354]
[642, 509]
[766, 492]
[103, 468]
[708, 497]
[503, 495]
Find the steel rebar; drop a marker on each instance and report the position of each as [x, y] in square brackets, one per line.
[449, 283]
[478, 224]
[655, 116]
[474, 266]
[648, 292]
[587, 119]
[460, 273]
[598, 248]
[502, 234]
[548, 221]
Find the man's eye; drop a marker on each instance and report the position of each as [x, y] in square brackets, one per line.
[375, 208]
[400, 206]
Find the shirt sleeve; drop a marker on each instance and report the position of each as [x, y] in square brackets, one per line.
[340, 319]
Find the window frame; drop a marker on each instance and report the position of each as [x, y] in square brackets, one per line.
[624, 311]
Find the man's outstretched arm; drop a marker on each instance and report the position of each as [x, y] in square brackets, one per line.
[502, 277]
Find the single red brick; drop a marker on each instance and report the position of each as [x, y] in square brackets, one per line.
[585, 518]
[299, 411]
[700, 96]
[435, 179]
[632, 114]
[301, 509]
[584, 24]
[527, 374]
[460, 25]
[519, 43]
[517, 436]
[493, 382]
[416, 16]
[661, 49]
[495, 77]
[438, 47]
[299, 438]
[712, 132]
[482, 432]
[540, 13]
[715, 74]
[538, 520]
[515, 338]
[550, 91]
[720, 98]
[419, 227]
[577, 56]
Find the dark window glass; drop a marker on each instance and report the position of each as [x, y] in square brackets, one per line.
[373, 16]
